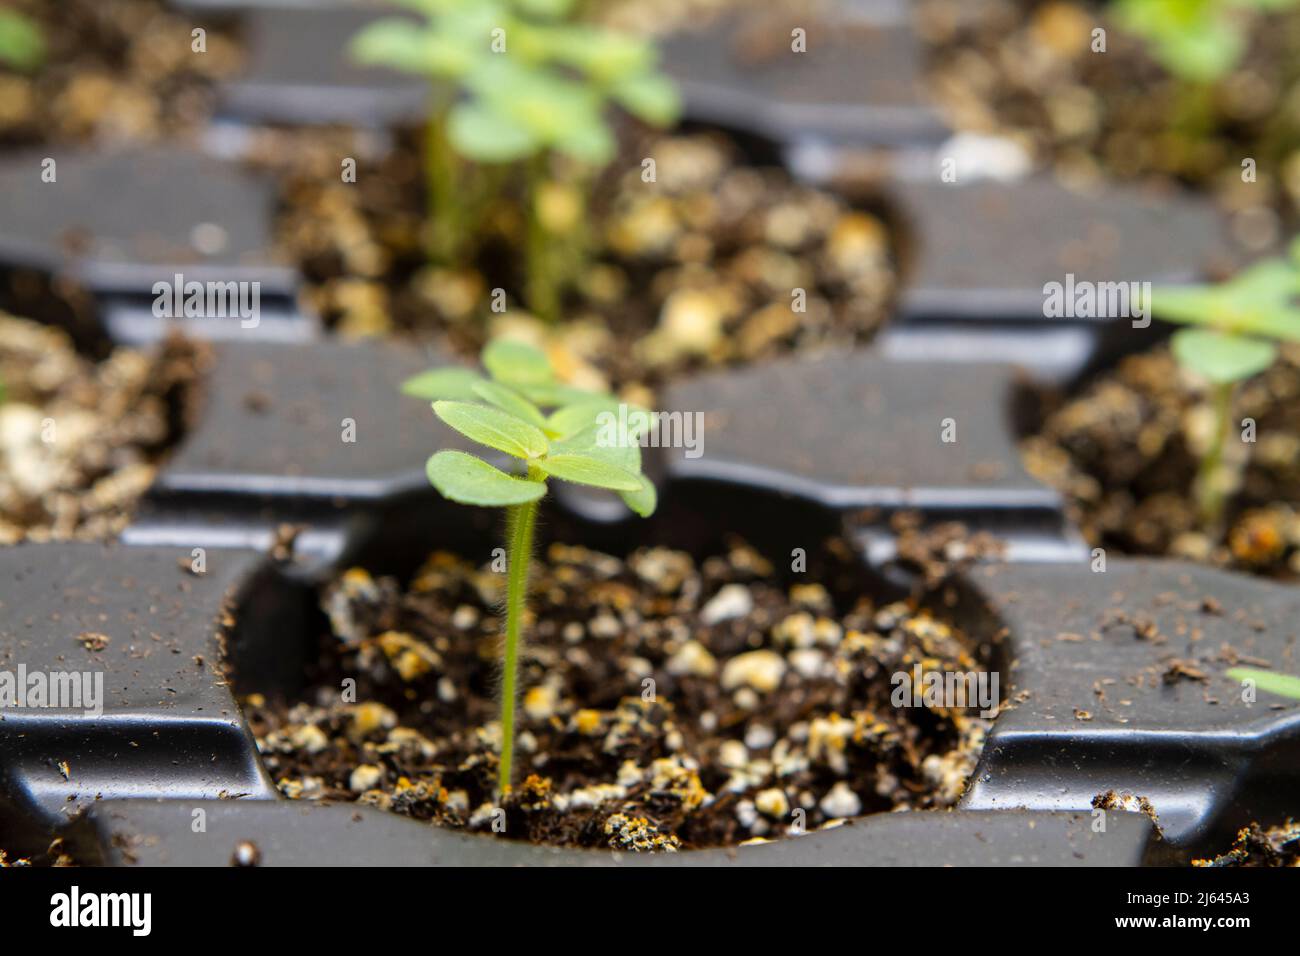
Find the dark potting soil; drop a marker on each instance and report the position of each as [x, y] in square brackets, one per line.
[114, 70]
[81, 440]
[1025, 69]
[1124, 451]
[666, 703]
[693, 270]
[1261, 846]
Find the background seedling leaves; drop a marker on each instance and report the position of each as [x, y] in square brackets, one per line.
[1237, 326]
[22, 45]
[519, 81]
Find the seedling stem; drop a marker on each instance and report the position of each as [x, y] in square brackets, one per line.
[519, 531]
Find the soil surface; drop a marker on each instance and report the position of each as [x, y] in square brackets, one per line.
[1258, 846]
[1125, 451]
[114, 70]
[667, 703]
[81, 440]
[1026, 69]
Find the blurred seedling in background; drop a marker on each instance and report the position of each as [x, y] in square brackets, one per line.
[518, 82]
[22, 44]
[1234, 330]
[583, 439]
[1284, 685]
[1198, 41]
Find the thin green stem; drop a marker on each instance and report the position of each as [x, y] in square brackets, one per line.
[1209, 477]
[520, 520]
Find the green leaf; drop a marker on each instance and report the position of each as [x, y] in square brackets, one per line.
[494, 428]
[604, 55]
[1189, 305]
[22, 44]
[480, 133]
[1191, 38]
[571, 419]
[554, 395]
[1260, 300]
[586, 470]
[603, 442]
[650, 97]
[402, 44]
[472, 481]
[1284, 685]
[1222, 358]
[644, 500]
[508, 400]
[517, 364]
[443, 383]
[557, 112]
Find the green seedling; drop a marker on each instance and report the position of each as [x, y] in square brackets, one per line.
[1284, 685]
[585, 437]
[1198, 41]
[517, 81]
[1233, 333]
[22, 44]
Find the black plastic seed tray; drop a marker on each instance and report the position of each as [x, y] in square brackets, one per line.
[162, 236]
[281, 833]
[126, 641]
[1120, 741]
[1091, 711]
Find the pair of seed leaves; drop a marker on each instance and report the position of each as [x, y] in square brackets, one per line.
[1238, 323]
[584, 439]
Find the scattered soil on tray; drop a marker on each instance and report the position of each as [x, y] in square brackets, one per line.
[1124, 451]
[695, 269]
[667, 703]
[114, 70]
[1257, 846]
[1025, 69]
[81, 440]
[58, 853]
